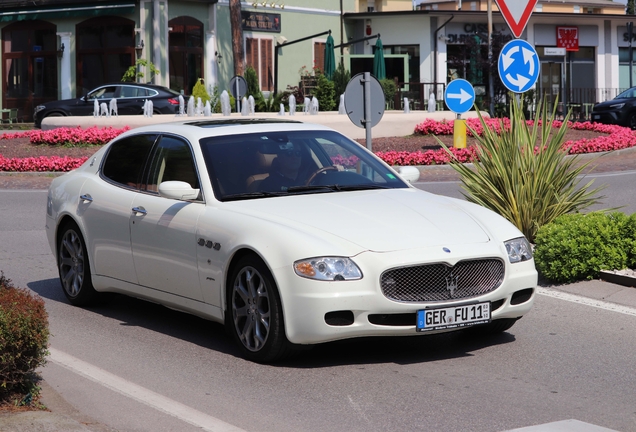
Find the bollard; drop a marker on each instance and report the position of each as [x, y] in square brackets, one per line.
[459, 133]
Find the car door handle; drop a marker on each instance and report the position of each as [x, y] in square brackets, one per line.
[86, 197]
[140, 210]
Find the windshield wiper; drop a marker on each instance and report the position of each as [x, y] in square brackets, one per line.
[312, 188]
[362, 187]
[250, 195]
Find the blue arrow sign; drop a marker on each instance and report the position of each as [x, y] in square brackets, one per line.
[518, 66]
[459, 96]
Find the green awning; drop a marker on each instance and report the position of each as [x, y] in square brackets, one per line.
[66, 12]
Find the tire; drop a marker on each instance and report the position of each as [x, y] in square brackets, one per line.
[55, 114]
[494, 327]
[254, 316]
[74, 268]
[632, 121]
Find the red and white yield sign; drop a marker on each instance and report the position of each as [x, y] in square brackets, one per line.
[516, 13]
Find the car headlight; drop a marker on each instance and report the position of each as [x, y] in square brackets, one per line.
[39, 108]
[519, 250]
[617, 106]
[328, 269]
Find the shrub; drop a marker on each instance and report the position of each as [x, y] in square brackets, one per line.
[199, 91]
[528, 184]
[389, 88]
[341, 78]
[577, 246]
[325, 93]
[251, 78]
[271, 104]
[24, 335]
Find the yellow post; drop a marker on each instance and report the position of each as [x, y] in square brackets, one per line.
[459, 133]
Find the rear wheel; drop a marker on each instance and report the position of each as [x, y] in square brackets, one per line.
[254, 314]
[73, 266]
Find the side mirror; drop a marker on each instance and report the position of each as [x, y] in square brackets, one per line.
[178, 190]
[409, 173]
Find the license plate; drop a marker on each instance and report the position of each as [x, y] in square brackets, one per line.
[453, 317]
[596, 116]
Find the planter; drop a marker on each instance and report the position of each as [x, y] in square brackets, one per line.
[625, 277]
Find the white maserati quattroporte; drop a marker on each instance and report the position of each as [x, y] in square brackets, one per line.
[289, 233]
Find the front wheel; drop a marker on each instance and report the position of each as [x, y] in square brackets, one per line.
[254, 314]
[74, 270]
[632, 121]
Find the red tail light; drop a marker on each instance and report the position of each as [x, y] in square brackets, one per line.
[173, 101]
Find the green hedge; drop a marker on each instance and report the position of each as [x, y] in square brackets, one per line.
[24, 336]
[577, 246]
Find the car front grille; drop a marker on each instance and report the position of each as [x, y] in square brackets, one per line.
[440, 282]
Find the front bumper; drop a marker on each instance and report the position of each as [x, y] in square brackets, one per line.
[610, 117]
[318, 312]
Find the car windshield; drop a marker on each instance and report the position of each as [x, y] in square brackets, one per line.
[270, 164]
[627, 94]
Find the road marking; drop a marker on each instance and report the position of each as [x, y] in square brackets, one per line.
[140, 394]
[586, 301]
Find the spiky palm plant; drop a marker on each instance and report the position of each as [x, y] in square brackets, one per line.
[523, 172]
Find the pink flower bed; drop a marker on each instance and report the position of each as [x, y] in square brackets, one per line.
[617, 138]
[69, 136]
[59, 136]
[40, 164]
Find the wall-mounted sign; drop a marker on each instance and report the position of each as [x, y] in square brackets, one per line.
[553, 51]
[262, 22]
[458, 33]
[568, 38]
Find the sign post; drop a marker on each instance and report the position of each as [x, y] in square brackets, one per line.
[516, 13]
[459, 97]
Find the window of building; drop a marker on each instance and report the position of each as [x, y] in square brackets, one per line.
[105, 50]
[259, 55]
[185, 53]
[30, 65]
[319, 55]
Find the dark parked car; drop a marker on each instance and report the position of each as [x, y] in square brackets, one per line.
[619, 111]
[130, 101]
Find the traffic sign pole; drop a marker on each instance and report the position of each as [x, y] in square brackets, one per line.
[459, 132]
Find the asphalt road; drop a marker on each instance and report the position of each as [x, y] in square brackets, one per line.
[619, 192]
[134, 366]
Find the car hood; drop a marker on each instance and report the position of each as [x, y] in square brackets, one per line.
[380, 221]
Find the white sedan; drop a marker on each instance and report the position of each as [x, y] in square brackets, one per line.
[289, 233]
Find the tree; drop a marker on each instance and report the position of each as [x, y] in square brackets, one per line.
[133, 74]
[237, 36]
[630, 7]
[470, 61]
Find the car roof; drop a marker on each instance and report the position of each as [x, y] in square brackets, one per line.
[200, 128]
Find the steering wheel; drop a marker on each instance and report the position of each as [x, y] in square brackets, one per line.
[319, 171]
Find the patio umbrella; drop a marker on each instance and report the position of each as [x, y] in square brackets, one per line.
[330, 58]
[379, 70]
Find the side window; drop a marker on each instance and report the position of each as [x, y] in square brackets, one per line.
[127, 92]
[103, 93]
[126, 159]
[172, 160]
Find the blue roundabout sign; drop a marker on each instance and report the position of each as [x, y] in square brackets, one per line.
[518, 66]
